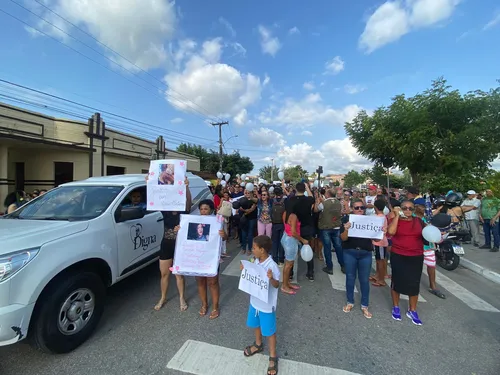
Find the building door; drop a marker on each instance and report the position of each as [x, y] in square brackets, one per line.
[63, 172]
[113, 171]
[20, 176]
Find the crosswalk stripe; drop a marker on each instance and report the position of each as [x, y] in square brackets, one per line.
[233, 269]
[469, 298]
[338, 279]
[200, 358]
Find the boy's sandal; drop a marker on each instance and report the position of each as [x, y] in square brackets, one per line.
[366, 313]
[273, 370]
[348, 308]
[248, 350]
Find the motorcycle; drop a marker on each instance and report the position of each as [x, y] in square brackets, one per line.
[448, 252]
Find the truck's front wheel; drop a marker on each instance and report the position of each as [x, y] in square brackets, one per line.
[69, 313]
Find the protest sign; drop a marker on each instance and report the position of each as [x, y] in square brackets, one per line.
[254, 281]
[198, 246]
[166, 190]
[235, 212]
[367, 226]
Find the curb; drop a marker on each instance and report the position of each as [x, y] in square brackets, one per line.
[480, 270]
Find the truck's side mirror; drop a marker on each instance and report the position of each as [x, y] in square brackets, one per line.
[128, 213]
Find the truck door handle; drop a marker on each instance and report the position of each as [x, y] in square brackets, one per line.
[159, 220]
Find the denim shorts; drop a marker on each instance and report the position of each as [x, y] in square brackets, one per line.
[291, 247]
[265, 321]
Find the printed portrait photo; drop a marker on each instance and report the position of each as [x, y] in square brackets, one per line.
[198, 232]
[166, 175]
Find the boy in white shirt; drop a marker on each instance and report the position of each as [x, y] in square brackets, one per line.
[261, 315]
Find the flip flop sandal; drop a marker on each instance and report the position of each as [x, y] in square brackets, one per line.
[348, 308]
[366, 313]
[214, 314]
[273, 370]
[290, 292]
[184, 306]
[248, 350]
[437, 293]
[203, 310]
[378, 284]
[294, 286]
[372, 278]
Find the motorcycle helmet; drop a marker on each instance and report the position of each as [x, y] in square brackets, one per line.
[453, 200]
[438, 202]
[441, 220]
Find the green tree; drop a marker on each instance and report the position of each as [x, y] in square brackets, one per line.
[265, 173]
[353, 178]
[209, 160]
[439, 132]
[295, 174]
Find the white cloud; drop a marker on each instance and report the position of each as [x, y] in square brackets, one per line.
[336, 156]
[306, 133]
[270, 45]
[309, 86]
[354, 89]
[266, 81]
[176, 120]
[393, 19]
[294, 30]
[218, 88]
[266, 137]
[138, 30]
[494, 21]
[308, 112]
[335, 65]
[228, 26]
[241, 118]
[238, 49]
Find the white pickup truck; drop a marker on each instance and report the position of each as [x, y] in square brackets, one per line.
[62, 250]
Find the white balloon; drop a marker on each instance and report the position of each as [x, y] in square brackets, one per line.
[316, 183]
[281, 175]
[243, 177]
[238, 175]
[271, 189]
[223, 183]
[227, 177]
[242, 184]
[432, 233]
[249, 186]
[386, 211]
[306, 253]
[219, 175]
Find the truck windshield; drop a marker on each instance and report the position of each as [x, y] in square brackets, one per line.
[68, 203]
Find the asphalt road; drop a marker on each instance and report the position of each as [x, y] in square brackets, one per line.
[134, 339]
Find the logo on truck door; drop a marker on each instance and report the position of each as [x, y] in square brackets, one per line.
[138, 239]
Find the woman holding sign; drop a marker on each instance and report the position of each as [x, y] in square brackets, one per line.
[204, 283]
[357, 259]
[407, 259]
[171, 223]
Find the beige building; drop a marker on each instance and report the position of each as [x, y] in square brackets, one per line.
[41, 152]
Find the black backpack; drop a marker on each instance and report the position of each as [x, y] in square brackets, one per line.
[278, 209]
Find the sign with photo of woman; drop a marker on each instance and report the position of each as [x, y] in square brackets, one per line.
[166, 190]
[198, 246]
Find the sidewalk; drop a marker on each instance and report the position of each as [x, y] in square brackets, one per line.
[482, 262]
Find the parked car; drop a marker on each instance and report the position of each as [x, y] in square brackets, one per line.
[62, 250]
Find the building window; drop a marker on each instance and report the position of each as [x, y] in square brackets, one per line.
[63, 172]
[111, 170]
[20, 177]
[145, 171]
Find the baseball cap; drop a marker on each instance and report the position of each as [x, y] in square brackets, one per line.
[471, 192]
[412, 190]
[419, 201]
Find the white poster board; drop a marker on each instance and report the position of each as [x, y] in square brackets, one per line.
[166, 190]
[367, 226]
[235, 212]
[198, 246]
[254, 281]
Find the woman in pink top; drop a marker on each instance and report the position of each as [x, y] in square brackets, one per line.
[380, 247]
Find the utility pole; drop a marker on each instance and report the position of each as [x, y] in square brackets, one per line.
[272, 171]
[219, 124]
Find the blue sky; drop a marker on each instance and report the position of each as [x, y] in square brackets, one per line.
[285, 74]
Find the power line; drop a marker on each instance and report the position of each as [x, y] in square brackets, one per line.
[118, 54]
[196, 113]
[97, 109]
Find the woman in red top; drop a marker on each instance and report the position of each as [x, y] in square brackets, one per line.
[407, 259]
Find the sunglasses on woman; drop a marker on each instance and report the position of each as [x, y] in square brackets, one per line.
[408, 208]
[359, 208]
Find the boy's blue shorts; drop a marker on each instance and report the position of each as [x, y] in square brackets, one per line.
[266, 321]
